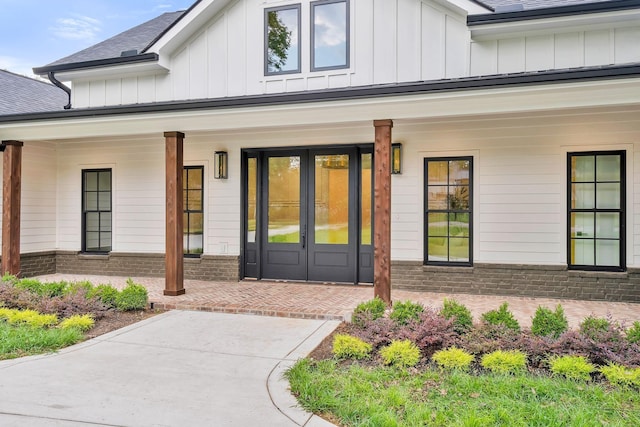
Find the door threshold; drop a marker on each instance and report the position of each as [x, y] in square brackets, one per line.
[307, 282]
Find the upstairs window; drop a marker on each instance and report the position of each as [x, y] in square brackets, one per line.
[282, 40]
[596, 215]
[329, 34]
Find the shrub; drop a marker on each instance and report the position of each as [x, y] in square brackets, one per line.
[461, 315]
[82, 322]
[12, 297]
[547, 323]
[633, 333]
[621, 376]
[368, 310]
[51, 289]
[68, 305]
[132, 297]
[401, 353]
[28, 317]
[453, 358]
[572, 367]
[105, 293]
[593, 327]
[403, 312]
[431, 332]
[84, 287]
[350, 347]
[502, 316]
[504, 362]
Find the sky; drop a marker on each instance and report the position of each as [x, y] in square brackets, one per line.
[34, 33]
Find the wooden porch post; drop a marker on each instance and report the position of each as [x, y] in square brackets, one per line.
[174, 262]
[382, 211]
[11, 185]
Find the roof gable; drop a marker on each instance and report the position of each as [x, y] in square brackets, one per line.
[20, 95]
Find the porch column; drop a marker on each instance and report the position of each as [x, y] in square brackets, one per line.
[174, 261]
[382, 211]
[11, 185]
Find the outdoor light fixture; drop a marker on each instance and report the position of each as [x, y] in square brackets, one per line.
[396, 158]
[220, 162]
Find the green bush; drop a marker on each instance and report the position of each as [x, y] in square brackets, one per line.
[85, 286]
[28, 317]
[505, 362]
[453, 358]
[633, 333]
[372, 309]
[461, 315]
[502, 316]
[621, 376]
[547, 323]
[53, 289]
[132, 297]
[403, 312]
[348, 347]
[572, 367]
[105, 293]
[593, 327]
[82, 322]
[401, 353]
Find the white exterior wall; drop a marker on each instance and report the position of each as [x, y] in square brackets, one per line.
[390, 41]
[519, 181]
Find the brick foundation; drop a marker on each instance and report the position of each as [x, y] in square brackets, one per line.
[545, 281]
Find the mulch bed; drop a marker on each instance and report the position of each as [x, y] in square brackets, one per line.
[114, 320]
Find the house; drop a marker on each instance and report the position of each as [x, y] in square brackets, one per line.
[443, 145]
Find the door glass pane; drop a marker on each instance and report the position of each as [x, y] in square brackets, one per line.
[252, 200]
[582, 225]
[330, 35]
[284, 199]
[582, 196]
[608, 225]
[608, 196]
[365, 208]
[332, 199]
[282, 43]
[608, 168]
[582, 169]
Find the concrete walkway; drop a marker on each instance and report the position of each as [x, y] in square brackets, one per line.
[180, 368]
[336, 302]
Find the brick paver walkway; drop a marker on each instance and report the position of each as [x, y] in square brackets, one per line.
[319, 301]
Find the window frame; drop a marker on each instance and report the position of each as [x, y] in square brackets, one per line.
[621, 210]
[448, 211]
[312, 32]
[186, 211]
[85, 211]
[298, 8]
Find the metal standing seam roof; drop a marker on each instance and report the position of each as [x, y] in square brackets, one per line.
[537, 4]
[21, 95]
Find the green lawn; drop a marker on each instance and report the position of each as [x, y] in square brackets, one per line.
[19, 341]
[363, 396]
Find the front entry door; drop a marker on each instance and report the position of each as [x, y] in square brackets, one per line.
[314, 219]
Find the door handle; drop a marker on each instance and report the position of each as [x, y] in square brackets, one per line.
[304, 237]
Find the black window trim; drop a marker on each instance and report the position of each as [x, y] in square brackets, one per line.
[312, 6]
[84, 211]
[185, 209]
[622, 210]
[298, 7]
[426, 212]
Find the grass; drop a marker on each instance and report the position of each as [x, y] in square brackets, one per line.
[364, 396]
[23, 340]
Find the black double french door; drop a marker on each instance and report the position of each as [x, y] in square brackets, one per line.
[308, 215]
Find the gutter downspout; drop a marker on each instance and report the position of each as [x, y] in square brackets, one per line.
[58, 83]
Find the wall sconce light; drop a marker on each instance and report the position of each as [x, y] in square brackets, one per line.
[396, 158]
[220, 164]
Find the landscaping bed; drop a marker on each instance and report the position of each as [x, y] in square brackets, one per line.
[415, 366]
[38, 317]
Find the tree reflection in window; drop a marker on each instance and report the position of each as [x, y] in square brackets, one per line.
[282, 40]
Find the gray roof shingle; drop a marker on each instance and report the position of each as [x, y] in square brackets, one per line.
[20, 94]
[137, 38]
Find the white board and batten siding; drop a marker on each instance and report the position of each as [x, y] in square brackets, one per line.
[391, 41]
